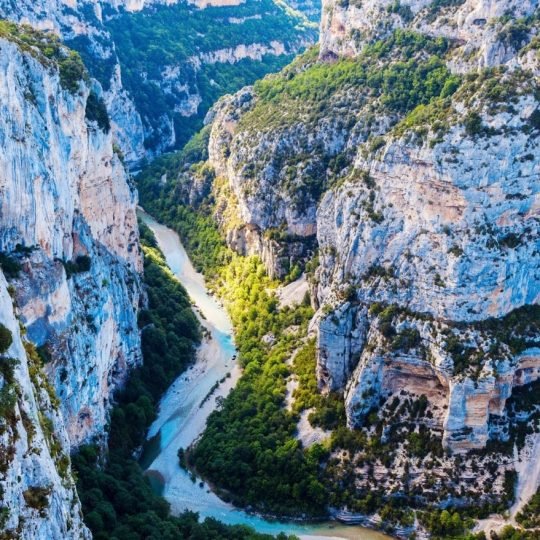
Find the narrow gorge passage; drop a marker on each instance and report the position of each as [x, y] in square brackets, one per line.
[186, 406]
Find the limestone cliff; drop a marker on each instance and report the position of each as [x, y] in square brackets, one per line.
[68, 217]
[69, 247]
[476, 25]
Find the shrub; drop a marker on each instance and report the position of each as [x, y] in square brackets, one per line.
[10, 266]
[529, 517]
[6, 339]
[534, 119]
[473, 124]
[72, 71]
[403, 11]
[8, 392]
[38, 498]
[437, 6]
[443, 523]
[515, 35]
[407, 339]
[82, 263]
[96, 111]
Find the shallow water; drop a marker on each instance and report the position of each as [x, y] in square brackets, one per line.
[186, 406]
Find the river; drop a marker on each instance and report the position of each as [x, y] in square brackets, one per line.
[187, 404]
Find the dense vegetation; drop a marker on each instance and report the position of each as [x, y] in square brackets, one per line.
[172, 37]
[117, 499]
[529, 516]
[327, 412]
[96, 111]
[249, 446]
[402, 72]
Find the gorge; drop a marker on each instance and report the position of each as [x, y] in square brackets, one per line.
[365, 216]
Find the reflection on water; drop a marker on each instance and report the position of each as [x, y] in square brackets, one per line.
[186, 406]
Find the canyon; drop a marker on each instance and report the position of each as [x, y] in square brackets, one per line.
[99, 31]
[388, 178]
[70, 251]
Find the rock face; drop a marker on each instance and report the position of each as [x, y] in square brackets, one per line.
[65, 197]
[451, 236]
[430, 207]
[347, 27]
[39, 499]
[68, 221]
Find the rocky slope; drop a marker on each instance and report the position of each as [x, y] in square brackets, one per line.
[347, 27]
[406, 150]
[69, 244]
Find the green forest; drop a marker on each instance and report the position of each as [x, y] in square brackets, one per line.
[118, 501]
[249, 445]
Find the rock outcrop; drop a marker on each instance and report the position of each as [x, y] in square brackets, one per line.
[346, 28]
